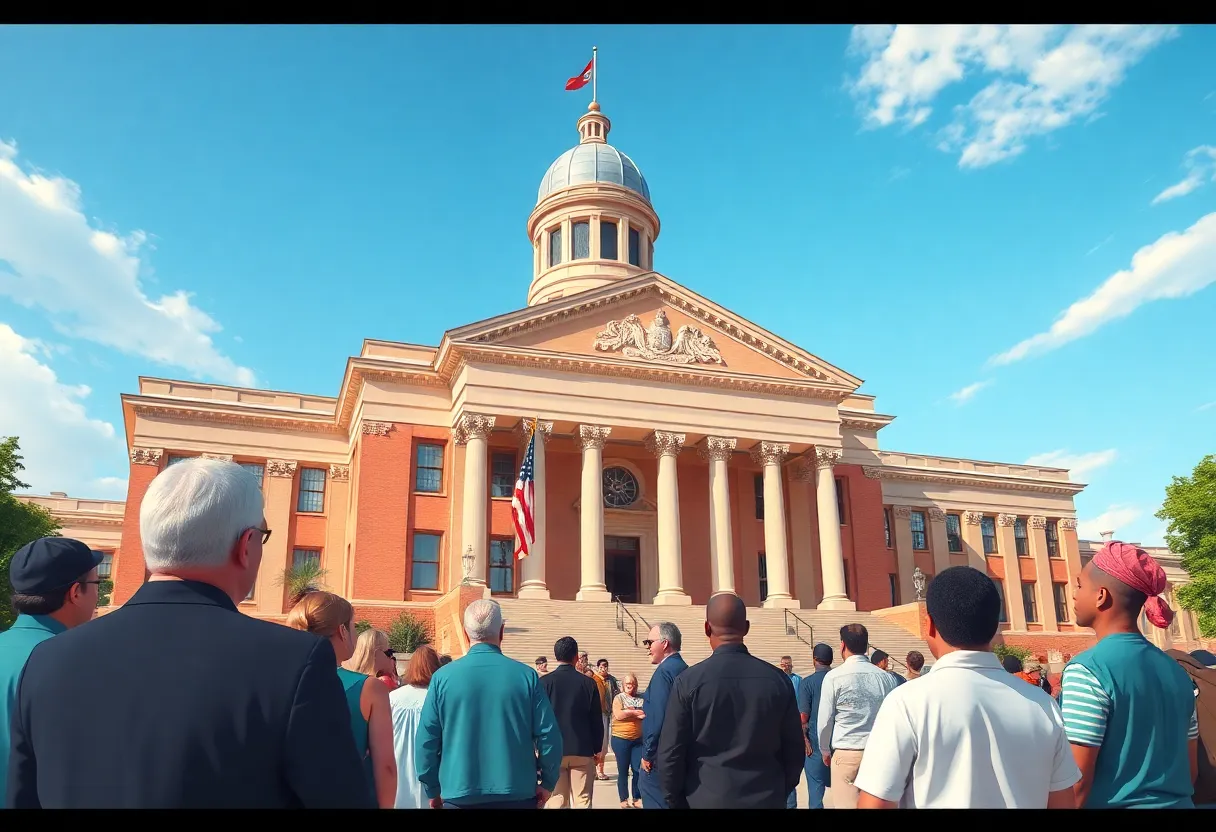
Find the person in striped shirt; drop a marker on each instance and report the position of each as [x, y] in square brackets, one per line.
[1128, 708]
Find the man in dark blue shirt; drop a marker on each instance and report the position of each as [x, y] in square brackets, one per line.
[818, 776]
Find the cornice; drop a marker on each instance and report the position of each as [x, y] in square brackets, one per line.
[242, 416]
[467, 352]
[1003, 483]
[863, 419]
[69, 518]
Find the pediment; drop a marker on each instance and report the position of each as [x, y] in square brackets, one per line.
[653, 321]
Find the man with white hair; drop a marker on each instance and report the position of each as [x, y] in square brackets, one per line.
[177, 700]
[487, 729]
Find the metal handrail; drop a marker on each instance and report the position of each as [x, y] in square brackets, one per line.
[631, 628]
[890, 659]
[795, 630]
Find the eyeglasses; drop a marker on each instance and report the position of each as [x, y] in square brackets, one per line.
[265, 533]
[390, 653]
[646, 642]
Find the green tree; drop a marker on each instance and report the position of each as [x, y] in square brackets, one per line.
[19, 522]
[1190, 510]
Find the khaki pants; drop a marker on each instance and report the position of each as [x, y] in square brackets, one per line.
[845, 764]
[574, 784]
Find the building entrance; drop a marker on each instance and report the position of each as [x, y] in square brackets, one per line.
[622, 574]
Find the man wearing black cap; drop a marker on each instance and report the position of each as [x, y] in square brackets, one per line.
[54, 589]
[818, 776]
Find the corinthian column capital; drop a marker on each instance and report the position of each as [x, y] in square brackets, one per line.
[473, 426]
[717, 448]
[1006, 519]
[973, 518]
[1068, 523]
[543, 429]
[146, 456]
[662, 443]
[769, 453]
[827, 457]
[593, 436]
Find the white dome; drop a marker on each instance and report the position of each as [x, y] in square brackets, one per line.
[589, 163]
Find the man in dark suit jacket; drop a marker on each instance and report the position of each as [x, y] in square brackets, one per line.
[663, 642]
[177, 700]
[732, 738]
[580, 717]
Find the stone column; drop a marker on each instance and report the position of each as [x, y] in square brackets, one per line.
[532, 567]
[129, 569]
[1007, 546]
[1070, 549]
[831, 553]
[666, 446]
[717, 451]
[1042, 570]
[591, 505]
[802, 549]
[937, 539]
[973, 541]
[270, 590]
[473, 431]
[770, 455]
[905, 560]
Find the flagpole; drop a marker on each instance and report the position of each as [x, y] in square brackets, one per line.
[594, 74]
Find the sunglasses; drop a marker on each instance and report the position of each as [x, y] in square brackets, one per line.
[390, 653]
[646, 642]
[264, 532]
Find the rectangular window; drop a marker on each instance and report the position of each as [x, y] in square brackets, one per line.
[301, 558]
[607, 240]
[106, 566]
[650, 254]
[886, 525]
[428, 476]
[920, 540]
[1059, 593]
[502, 474]
[174, 459]
[257, 469]
[954, 533]
[848, 593]
[424, 571]
[840, 501]
[894, 581]
[635, 247]
[758, 484]
[1000, 590]
[763, 564]
[312, 490]
[581, 237]
[1030, 603]
[502, 566]
[555, 246]
[1053, 539]
[1020, 540]
[988, 530]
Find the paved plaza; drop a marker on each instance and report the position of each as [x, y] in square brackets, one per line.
[605, 797]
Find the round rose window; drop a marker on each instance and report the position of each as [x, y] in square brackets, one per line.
[620, 487]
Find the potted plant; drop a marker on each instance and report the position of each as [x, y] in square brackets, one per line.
[405, 635]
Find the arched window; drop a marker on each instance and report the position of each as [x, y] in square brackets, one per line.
[620, 487]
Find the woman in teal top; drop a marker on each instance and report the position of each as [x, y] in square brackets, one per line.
[332, 617]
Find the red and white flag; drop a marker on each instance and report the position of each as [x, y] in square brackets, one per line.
[583, 78]
[523, 504]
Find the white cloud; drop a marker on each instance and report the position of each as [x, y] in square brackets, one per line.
[1112, 520]
[88, 279]
[965, 395]
[1099, 245]
[1175, 266]
[1047, 77]
[60, 442]
[1078, 465]
[1200, 164]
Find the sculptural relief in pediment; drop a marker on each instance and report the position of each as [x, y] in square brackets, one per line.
[632, 339]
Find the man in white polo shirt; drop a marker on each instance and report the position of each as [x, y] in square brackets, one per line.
[969, 735]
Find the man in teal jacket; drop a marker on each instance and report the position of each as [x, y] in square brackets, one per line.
[54, 589]
[487, 729]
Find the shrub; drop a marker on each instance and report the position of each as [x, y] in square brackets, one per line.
[302, 578]
[1003, 650]
[406, 634]
[362, 627]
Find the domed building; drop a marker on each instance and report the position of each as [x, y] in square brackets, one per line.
[681, 451]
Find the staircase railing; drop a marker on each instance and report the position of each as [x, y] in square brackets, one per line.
[626, 622]
[892, 660]
[796, 626]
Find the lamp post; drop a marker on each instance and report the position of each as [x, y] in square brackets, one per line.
[467, 558]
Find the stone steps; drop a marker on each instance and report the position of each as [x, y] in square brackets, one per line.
[532, 627]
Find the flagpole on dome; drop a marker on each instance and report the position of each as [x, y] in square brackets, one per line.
[594, 74]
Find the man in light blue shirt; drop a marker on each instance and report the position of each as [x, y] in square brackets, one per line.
[487, 732]
[851, 696]
[54, 583]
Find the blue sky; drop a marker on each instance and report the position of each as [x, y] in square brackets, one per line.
[1007, 232]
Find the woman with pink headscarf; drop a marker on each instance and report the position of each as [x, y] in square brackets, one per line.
[1129, 709]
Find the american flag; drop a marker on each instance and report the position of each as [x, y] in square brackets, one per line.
[523, 504]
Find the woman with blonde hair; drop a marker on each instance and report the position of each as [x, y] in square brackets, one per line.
[373, 657]
[406, 703]
[333, 618]
[627, 740]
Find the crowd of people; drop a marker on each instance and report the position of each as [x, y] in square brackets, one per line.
[177, 700]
